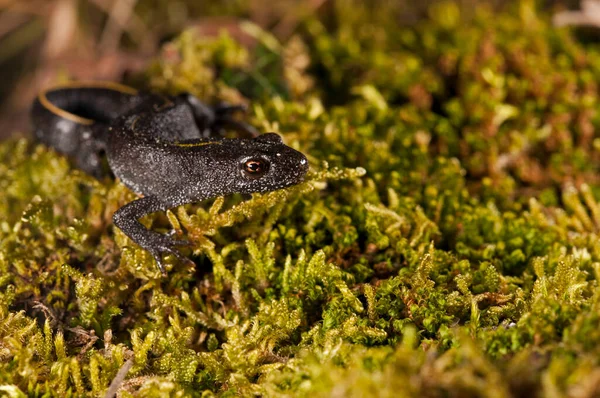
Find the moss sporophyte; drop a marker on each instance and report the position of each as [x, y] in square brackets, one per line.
[444, 243]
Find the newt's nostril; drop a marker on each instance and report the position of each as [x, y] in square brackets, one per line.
[304, 164]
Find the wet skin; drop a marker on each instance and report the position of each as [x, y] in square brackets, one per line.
[168, 149]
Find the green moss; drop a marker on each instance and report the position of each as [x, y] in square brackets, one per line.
[444, 244]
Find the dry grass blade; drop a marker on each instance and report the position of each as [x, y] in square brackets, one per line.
[62, 28]
[120, 15]
[20, 39]
[115, 385]
[123, 19]
[589, 15]
[10, 21]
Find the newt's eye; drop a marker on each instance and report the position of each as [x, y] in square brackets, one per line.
[255, 168]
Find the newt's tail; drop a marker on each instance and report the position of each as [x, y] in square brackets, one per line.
[73, 119]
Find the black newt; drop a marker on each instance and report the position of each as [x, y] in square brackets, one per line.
[168, 149]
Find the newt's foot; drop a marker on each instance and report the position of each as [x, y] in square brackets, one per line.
[164, 245]
[214, 120]
[224, 120]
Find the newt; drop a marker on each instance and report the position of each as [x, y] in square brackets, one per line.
[170, 150]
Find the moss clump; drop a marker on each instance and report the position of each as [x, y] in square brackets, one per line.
[464, 262]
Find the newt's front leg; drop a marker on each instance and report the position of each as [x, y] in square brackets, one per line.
[127, 220]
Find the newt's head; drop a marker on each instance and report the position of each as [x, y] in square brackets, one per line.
[267, 164]
[260, 164]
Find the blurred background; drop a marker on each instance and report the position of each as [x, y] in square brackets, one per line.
[44, 40]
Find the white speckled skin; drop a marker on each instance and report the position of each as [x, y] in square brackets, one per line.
[162, 148]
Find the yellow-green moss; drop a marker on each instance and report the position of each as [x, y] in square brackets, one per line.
[446, 242]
